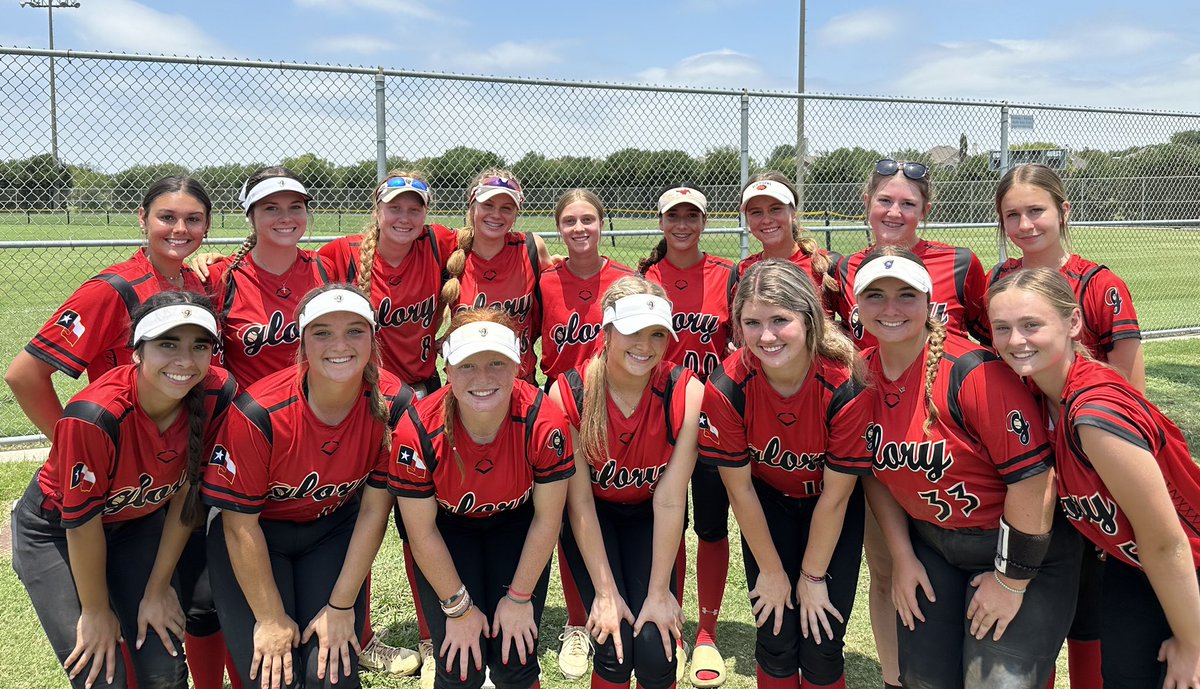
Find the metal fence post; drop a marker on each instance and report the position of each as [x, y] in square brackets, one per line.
[381, 166]
[745, 176]
[1001, 242]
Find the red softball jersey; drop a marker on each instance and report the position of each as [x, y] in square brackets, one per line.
[509, 281]
[787, 441]
[91, 331]
[982, 441]
[275, 458]
[405, 297]
[108, 457]
[804, 262]
[640, 446]
[257, 310]
[1095, 395]
[1104, 299]
[959, 286]
[532, 446]
[700, 297]
[571, 314]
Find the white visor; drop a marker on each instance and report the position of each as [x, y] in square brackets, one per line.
[905, 270]
[270, 185]
[333, 301]
[639, 311]
[678, 195]
[771, 188]
[482, 193]
[481, 336]
[159, 321]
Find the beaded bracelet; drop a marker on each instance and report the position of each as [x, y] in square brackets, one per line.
[1006, 587]
[814, 578]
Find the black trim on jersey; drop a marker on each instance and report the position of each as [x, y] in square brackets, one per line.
[325, 279]
[41, 355]
[842, 395]
[425, 439]
[530, 416]
[668, 394]
[1042, 449]
[1135, 439]
[224, 397]
[575, 383]
[960, 368]
[398, 403]
[125, 288]
[258, 415]
[100, 417]
[230, 289]
[534, 263]
[734, 392]
[731, 286]
[962, 268]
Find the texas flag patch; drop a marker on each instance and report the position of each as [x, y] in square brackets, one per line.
[223, 461]
[82, 478]
[72, 326]
[410, 458]
[707, 427]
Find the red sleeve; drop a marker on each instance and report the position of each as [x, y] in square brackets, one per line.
[551, 454]
[1108, 310]
[975, 309]
[82, 455]
[851, 414]
[568, 401]
[222, 391]
[337, 254]
[1115, 411]
[237, 475]
[722, 427]
[1002, 413]
[446, 240]
[92, 321]
[410, 471]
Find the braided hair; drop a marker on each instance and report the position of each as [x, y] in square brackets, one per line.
[457, 263]
[659, 252]
[370, 233]
[251, 240]
[820, 260]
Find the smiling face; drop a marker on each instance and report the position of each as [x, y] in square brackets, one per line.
[682, 226]
[338, 346]
[638, 354]
[401, 220]
[482, 383]
[280, 219]
[495, 217]
[770, 222]
[894, 211]
[1032, 221]
[172, 364]
[893, 311]
[579, 227]
[175, 224]
[1030, 335]
[777, 336]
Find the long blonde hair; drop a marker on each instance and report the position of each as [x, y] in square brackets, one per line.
[370, 233]
[1051, 286]
[457, 263]
[593, 417]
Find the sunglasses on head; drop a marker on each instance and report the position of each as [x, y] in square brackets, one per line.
[402, 182]
[888, 167]
[505, 182]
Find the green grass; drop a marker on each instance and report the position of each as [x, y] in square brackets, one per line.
[1174, 377]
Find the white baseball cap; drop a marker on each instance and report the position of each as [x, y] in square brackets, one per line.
[161, 320]
[903, 269]
[768, 187]
[678, 195]
[268, 186]
[639, 311]
[334, 300]
[481, 336]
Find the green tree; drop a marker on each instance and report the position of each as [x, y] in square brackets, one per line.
[455, 169]
[130, 185]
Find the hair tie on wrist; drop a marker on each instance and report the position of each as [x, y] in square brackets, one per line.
[338, 607]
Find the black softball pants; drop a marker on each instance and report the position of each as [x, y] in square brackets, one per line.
[1133, 626]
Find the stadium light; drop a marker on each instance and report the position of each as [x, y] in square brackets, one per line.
[49, 6]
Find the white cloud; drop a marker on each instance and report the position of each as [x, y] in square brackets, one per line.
[863, 26]
[509, 56]
[128, 26]
[359, 44]
[409, 8]
[718, 68]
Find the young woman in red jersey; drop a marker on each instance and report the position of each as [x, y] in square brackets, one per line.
[257, 288]
[1032, 205]
[571, 313]
[97, 535]
[299, 473]
[90, 332]
[1125, 479]
[897, 199]
[494, 266]
[700, 287]
[634, 417]
[478, 469]
[769, 204]
[963, 489]
[777, 414]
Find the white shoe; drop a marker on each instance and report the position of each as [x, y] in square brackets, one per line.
[428, 664]
[487, 679]
[380, 657]
[575, 652]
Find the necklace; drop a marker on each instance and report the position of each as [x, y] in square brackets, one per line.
[627, 408]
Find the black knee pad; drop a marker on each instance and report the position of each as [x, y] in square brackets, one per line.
[653, 669]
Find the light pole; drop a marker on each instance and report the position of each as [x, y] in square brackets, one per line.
[800, 118]
[49, 6]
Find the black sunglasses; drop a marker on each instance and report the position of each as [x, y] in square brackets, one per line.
[888, 167]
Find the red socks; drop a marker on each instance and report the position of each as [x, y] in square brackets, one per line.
[766, 681]
[598, 683]
[712, 571]
[839, 684]
[131, 682]
[1083, 663]
[206, 660]
[410, 568]
[576, 615]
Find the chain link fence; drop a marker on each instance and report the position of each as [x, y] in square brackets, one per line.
[123, 121]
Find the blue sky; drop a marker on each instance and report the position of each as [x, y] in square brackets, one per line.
[1103, 52]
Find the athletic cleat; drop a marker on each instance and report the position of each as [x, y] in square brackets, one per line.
[380, 657]
[575, 652]
[428, 664]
